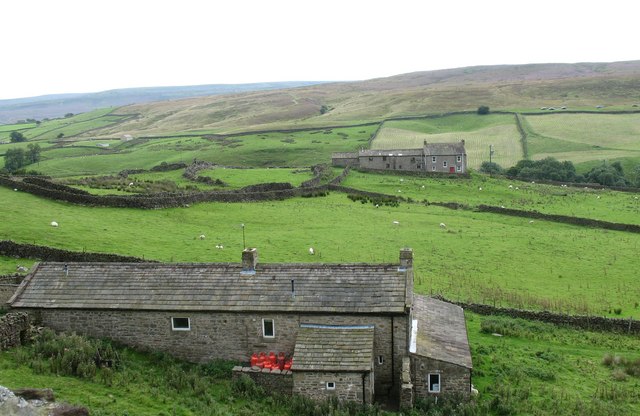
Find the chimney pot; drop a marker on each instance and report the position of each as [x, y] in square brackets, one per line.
[249, 260]
[406, 259]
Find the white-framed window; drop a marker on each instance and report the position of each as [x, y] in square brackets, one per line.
[459, 168]
[459, 158]
[433, 167]
[433, 159]
[444, 164]
[434, 382]
[268, 328]
[179, 323]
[380, 359]
[331, 385]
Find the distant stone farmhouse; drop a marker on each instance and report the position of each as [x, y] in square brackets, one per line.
[355, 331]
[431, 158]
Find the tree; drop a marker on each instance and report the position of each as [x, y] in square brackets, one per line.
[491, 168]
[609, 175]
[483, 110]
[33, 154]
[14, 159]
[68, 115]
[16, 137]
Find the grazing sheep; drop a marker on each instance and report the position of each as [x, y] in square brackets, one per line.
[130, 183]
[22, 269]
[443, 225]
[312, 251]
[635, 197]
[510, 186]
[598, 197]
[219, 246]
[399, 190]
[517, 188]
[474, 391]
[15, 189]
[502, 206]
[480, 188]
[396, 223]
[54, 224]
[531, 222]
[422, 186]
[377, 205]
[202, 236]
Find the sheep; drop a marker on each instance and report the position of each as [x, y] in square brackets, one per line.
[130, 183]
[443, 225]
[598, 197]
[510, 186]
[396, 222]
[635, 197]
[219, 246]
[502, 206]
[517, 188]
[377, 206]
[422, 186]
[54, 224]
[15, 189]
[312, 251]
[480, 188]
[531, 222]
[202, 236]
[22, 269]
[474, 391]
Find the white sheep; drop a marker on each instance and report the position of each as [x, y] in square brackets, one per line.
[443, 225]
[517, 188]
[474, 390]
[202, 236]
[15, 189]
[598, 197]
[396, 223]
[422, 186]
[130, 183]
[379, 205]
[480, 188]
[54, 224]
[312, 251]
[22, 269]
[219, 246]
[510, 186]
[531, 222]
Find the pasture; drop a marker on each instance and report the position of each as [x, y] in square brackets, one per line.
[294, 149]
[584, 137]
[478, 132]
[482, 257]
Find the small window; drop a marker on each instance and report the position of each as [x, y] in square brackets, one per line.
[459, 168]
[370, 159]
[444, 164]
[433, 167]
[331, 385]
[433, 159]
[434, 383]
[400, 167]
[388, 166]
[459, 158]
[180, 324]
[413, 159]
[419, 166]
[380, 359]
[384, 158]
[268, 328]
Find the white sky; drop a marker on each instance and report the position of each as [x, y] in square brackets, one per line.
[64, 46]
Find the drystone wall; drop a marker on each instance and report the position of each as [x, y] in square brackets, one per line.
[591, 323]
[31, 251]
[14, 329]
[274, 382]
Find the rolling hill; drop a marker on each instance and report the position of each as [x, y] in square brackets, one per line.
[580, 86]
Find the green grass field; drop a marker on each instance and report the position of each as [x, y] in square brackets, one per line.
[478, 132]
[482, 257]
[584, 138]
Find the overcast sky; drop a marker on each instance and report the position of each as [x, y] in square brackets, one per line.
[69, 46]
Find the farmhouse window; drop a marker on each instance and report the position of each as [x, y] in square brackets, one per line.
[384, 158]
[268, 328]
[388, 166]
[459, 158]
[413, 159]
[459, 168]
[331, 385]
[444, 164]
[434, 383]
[433, 159]
[419, 166]
[370, 158]
[380, 359]
[180, 324]
[433, 167]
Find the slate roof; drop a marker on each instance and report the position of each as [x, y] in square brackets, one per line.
[444, 149]
[395, 152]
[442, 331]
[333, 348]
[327, 288]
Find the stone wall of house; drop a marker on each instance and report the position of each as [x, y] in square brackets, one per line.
[14, 329]
[274, 382]
[356, 387]
[230, 335]
[453, 378]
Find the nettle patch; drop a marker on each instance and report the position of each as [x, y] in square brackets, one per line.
[622, 367]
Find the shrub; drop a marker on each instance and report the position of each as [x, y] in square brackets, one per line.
[244, 386]
[483, 110]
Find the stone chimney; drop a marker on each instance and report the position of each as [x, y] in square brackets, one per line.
[249, 260]
[406, 259]
[462, 141]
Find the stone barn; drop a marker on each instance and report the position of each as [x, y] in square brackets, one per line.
[431, 158]
[348, 327]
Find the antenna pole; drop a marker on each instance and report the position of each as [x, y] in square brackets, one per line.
[244, 242]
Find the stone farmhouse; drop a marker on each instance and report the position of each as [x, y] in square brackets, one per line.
[431, 158]
[355, 331]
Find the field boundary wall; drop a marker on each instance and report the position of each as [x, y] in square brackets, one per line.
[585, 222]
[273, 382]
[30, 251]
[14, 329]
[591, 323]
